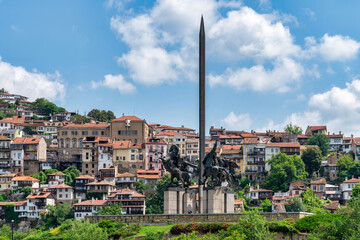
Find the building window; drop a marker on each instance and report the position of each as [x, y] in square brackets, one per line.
[74, 143]
[84, 133]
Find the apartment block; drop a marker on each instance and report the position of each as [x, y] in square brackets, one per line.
[129, 128]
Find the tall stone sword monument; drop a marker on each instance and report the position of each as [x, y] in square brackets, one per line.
[210, 196]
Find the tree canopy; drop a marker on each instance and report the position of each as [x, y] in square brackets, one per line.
[56, 215]
[101, 115]
[312, 159]
[293, 129]
[71, 173]
[45, 107]
[155, 201]
[312, 202]
[284, 169]
[345, 163]
[113, 209]
[321, 140]
[79, 119]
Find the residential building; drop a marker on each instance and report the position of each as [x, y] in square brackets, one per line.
[102, 187]
[105, 151]
[331, 171]
[273, 148]
[5, 182]
[336, 142]
[19, 208]
[25, 181]
[182, 129]
[56, 179]
[235, 154]
[296, 188]
[318, 186]
[129, 128]
[278, 201]
[149, 176]
[80, 185]
[192, 147]
[128, 157]
[90, 155]
[253, 165]
[9, 123]
[27, 154]
[311, 130]
[347, 141]
[125, 180]
[70, 139]
[5, 155]
[238, 206]
[132, 201]
[63, 116]
[88, 208]
[62, 193]
[154, 149]
[37, 202]
[259, 194]
[346, 188]
[174, 138]
[332, 192]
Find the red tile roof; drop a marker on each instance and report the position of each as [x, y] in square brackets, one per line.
[260, 190]
[25, 178]
[121, 144]
[85, 177]
[88, 125]
[283, 144]
[25, 140]
[39, 195]
[92, 203]
[149, 176]
[248, 135]
[57, 174]
[314, 128]
[126, 174]
[61, 185]
[170, 134]
[318, 181]
[353, 180]
[14, 119]
[123, 118]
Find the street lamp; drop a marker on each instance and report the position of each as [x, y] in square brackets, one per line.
[12, 229]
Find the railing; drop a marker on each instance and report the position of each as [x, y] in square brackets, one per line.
[82, 210]
[40, 204]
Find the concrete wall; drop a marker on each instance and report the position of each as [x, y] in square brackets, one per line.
[165, 219]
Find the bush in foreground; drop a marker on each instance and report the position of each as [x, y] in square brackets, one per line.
[310, 223]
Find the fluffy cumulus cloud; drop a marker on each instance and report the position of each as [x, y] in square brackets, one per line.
[115, 82]
[34, 84]
[338, 108]
[240, 121]
[163, 45]
[285, 72]
[334, 48]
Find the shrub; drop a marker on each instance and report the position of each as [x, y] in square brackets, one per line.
[154, 236]
[285, 226]
[126, 231]
[199, 227]
[310, 223]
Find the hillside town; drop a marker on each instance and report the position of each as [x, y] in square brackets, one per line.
[38, 149]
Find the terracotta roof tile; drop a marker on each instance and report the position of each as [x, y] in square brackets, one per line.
[170, 134]
[88, 125]
[25, 178]
[283, 144]
[121, 144]
[39, 195]
[92, 203]
[61, 185]
[123, 118]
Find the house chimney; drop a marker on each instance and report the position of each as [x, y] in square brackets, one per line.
[92, 200]
[352, 136]
[340, 132]
[182, 126]
[79, 200]
[346, 178]
[328, 133]
[352, 176]
[104, 197]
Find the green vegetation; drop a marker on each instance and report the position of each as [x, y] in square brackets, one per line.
[310, 223]
[113, 209]
[20, 194]
[313, 203]
[45, 107]
[293, 129]
[42, 176]
[321, 140]
[71, 173]
[294, 205]
[101, 115]
[266, 205]
[312, 159]
[79, 119]
[284, 169]
[155, 199]
[198, 227]
[10, 214]
[56, 215]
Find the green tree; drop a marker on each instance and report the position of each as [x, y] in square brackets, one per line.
[312, 202]
[79, 119]
[345, 163]
[294, 205]
[321, 140]
[10, 214]
[2, 115]
[71, 173]
[266, 205]
[10, 114]
[20, 194]
[79, 230]
[284, 169]
[293, 129]
[56, 215]
[2, 90]
[312, 159]
[45, 107]
[141, 186]
[101, 115]
[113, 209]
[155, 202]
[40, 176]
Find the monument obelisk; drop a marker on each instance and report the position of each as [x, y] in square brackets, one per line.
[201, 109]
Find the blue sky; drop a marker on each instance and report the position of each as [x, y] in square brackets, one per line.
[268, 62]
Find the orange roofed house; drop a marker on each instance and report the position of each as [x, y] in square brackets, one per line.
[154, 149]
[80, 185]
[37, 202]
[129, 128]
[27, 154]
[25, 181]
[88, 207]
[132, 201]
[70, 139]
[5, 155]
[273, 148]
[148, 176]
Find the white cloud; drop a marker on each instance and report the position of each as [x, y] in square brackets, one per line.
[333, 48]
[233, 121]
[257, 78]
[115, 82]
[33, 84]
[338, 108]
[310, 13]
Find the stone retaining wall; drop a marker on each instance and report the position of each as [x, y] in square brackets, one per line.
[165, 219]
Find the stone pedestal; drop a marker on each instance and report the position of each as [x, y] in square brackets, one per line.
[173, 200]
[217, 200]
[189, 202]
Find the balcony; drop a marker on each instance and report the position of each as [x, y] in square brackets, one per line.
[82, 210]
[40, 204]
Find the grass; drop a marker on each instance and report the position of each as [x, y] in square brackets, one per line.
[146, 229]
